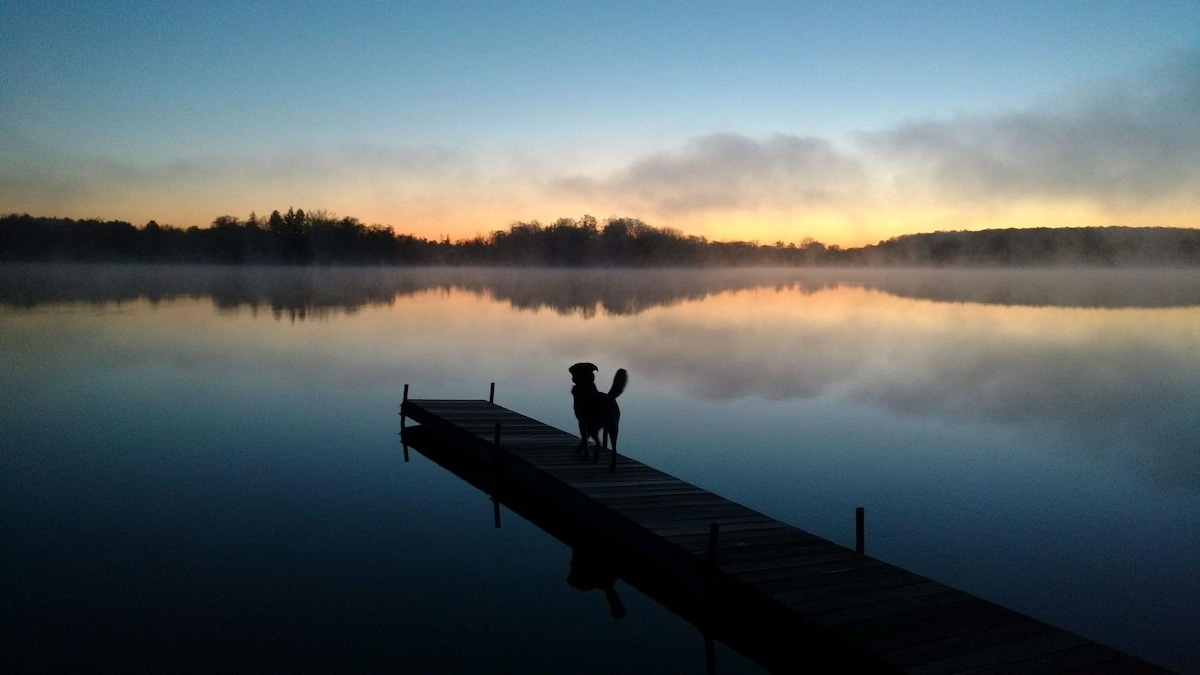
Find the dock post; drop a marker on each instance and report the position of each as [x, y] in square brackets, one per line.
[496, 512]
[859, 530]
[713, 530]
[403, 422]
[492, 394]
[403, 444]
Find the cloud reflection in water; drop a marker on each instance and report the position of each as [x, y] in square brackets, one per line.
[1126, 380]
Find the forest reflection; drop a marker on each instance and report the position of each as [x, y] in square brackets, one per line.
[305, 293]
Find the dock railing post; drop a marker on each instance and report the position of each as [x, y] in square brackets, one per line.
[403, 422]
[492, 394]
[859, 529]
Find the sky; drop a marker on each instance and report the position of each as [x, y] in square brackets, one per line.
[846, 122]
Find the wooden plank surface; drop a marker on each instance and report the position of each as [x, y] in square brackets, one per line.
[910, 623]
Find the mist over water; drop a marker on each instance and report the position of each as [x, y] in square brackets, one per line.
[297, 291]
[216, 447]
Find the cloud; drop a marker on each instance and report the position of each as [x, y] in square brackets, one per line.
[727, 172]
[192, 190]
[1118, 146]
[313, 164]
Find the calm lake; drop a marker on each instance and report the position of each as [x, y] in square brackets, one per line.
[200, 468]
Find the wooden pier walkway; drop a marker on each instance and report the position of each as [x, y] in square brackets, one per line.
[784, 598]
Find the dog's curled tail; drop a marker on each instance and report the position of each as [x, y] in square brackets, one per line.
[619, 381]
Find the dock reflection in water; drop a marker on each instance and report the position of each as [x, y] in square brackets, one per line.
[597, 561]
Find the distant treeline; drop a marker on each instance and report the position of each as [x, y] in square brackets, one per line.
[297, 237]
[1043, 246]
[294, 237]
[317, 238]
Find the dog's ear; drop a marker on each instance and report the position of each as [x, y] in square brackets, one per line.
[582, 369]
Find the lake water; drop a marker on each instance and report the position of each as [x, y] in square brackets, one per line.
[200, 466]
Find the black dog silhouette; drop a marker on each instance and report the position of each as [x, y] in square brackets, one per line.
[594, 566]
[598, 413]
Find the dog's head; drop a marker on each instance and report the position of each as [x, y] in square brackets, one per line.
[583, 373]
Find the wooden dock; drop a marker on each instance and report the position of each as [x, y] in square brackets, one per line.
[784, 598]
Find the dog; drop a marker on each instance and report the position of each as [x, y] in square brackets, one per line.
[598, 414]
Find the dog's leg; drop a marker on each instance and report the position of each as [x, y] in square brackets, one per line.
[597, 435]
[613, 462]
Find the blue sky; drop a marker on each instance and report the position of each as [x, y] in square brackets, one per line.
[848, 122]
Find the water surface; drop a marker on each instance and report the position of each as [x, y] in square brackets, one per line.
[200, 465]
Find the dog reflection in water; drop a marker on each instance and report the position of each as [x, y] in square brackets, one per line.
[594, 566]
[598, 414]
